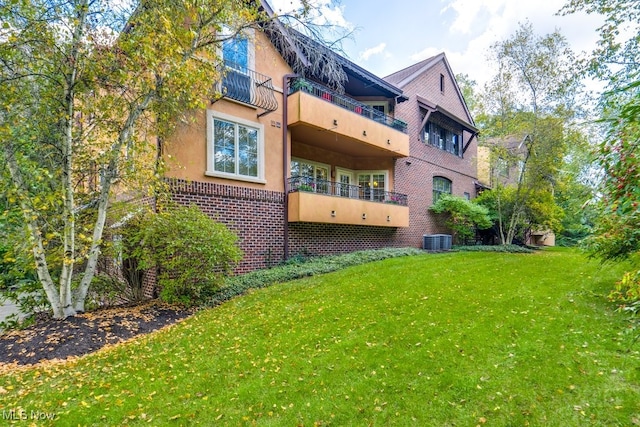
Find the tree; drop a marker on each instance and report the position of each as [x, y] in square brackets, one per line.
[463, 216]
[616, 233]
[83, 86]
[617, 61]
[530, 97]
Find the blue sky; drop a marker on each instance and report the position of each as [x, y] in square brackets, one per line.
[391, 35]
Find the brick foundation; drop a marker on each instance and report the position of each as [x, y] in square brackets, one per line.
[256, 216]
[330, 239]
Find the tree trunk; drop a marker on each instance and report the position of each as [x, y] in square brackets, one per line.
[60, 310]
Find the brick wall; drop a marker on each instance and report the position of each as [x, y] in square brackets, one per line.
[414, 174]
[328, 239]
[256, 216]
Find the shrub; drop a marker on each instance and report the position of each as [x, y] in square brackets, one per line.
[627, 292]
[514, 249]
[463, 216]
[192, 252]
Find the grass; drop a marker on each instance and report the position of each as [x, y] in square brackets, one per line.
[435, 340]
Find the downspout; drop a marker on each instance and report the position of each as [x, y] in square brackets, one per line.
[285, 159]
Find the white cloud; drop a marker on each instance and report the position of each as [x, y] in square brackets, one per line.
[376, 50]
[485, 22]
[470, 11]
[323, 11]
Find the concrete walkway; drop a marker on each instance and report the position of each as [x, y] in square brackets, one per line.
[7, 308]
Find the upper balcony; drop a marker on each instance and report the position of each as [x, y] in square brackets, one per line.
[329, 202]
[355, 129]
[247, 86]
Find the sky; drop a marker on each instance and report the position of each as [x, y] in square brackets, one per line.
[391, 35]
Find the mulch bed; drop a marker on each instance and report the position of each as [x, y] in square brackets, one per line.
[50, 339]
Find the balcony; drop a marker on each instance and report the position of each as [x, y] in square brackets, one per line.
[247, 86]
[356, 129]
[336, 203]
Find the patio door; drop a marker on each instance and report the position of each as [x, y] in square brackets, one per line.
[345, 187]
[310, 175]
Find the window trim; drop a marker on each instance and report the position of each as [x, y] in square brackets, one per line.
[210, 171]
[372, 196]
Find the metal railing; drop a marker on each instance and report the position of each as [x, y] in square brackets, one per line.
[330, 188]
[245, 85]
[345, 102]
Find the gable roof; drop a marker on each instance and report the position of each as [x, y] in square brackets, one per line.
[405, 76]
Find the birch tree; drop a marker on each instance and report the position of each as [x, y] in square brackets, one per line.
[530, 96]
[85, 87]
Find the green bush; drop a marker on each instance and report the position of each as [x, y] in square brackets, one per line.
[300, 267]
[192, 252]
[514, 249]
[627, 292]
[463, 216]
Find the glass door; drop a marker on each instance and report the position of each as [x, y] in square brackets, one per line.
[345, 187]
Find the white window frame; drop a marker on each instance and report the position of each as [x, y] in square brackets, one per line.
[373, 172]
[211, 115]
[383, 104]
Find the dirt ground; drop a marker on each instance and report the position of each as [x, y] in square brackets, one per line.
[51, 339]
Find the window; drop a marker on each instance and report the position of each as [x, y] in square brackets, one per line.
[237, 53]
[377, 111]
[502, 167]
[442, 83]
[443, 138]
[235, 148]
[372, 185]
[440, 186]
[312, 176]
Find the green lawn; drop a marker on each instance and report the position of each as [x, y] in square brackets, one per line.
[449, 339]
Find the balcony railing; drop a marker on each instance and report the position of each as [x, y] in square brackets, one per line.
[330, 188]
[346, 102]
[244, 85]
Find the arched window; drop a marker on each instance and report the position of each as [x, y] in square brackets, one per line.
[441, 185]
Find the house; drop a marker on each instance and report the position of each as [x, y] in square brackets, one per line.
[442, 140]
[500, 160]
[298, 155]
[306, 152]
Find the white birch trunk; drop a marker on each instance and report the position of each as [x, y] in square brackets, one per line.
[35, 235]
[69, 221]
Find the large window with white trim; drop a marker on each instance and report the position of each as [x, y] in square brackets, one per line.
[235, 148]
[372, 185]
